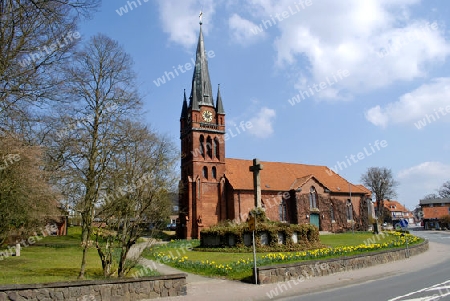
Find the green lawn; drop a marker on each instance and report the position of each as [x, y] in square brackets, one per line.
[60, 260]
[53, 259]
[350, 239]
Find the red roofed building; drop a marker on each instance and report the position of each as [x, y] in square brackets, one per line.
[396, 212]
[433, 210]
[214, 188]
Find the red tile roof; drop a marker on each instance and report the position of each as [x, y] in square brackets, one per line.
[364, 189]
[393, 205]
[281, 176]
[435, 212]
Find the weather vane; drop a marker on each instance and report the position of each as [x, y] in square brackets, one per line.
[200, 17]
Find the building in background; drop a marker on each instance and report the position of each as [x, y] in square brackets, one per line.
[394, 212]
[433, 210]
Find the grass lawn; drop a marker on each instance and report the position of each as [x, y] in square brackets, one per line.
[60, 260]
[51, 259]
[349, 238]
[238, 266]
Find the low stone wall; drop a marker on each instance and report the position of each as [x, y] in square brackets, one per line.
[99, 290]
[299, 271]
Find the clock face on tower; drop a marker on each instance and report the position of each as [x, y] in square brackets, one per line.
[207, 116]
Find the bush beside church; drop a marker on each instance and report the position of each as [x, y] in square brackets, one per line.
[269, 236]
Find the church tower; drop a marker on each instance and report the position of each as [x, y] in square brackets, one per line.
[202, 128]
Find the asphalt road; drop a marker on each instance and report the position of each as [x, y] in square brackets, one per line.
[428, 284]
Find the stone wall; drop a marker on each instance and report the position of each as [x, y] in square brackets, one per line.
[299, 271]
[99, 290]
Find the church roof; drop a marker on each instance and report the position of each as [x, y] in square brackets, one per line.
[364, 188]
[184, 108]
[219, 104]
[281, 176]
[201, 91]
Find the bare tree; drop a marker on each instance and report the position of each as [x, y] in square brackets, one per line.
[136, 193]
[382, 184]
[100, 86]
[444, 191]
[431, 196]
[35, 36]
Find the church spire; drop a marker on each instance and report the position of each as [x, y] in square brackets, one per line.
[184, 109]
[219, 104]
[201, 93]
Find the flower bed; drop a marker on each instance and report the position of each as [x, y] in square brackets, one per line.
[208, 267]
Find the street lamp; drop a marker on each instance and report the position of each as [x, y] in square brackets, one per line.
[353, 219]
[351, 208]
[369, 211]
[349, 213]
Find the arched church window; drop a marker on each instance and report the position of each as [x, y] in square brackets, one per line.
[205, 172]
[349, 210]
[209, 147]
[216, 148]
[312, 197]
[214, 172]
[332, 213]
[202, 145]
[282, 211]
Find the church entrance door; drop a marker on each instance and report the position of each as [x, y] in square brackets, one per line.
[314, 219]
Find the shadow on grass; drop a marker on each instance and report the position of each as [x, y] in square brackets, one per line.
[71, 274]
[161, 234]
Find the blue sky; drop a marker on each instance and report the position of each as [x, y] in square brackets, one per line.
[322, 82]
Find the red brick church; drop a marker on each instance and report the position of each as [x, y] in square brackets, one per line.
[214, 188]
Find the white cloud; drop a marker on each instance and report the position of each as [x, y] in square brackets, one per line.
[262, 123]
[420, 180]
[180, 19]
[333, 35]
[377, 117]
[427, 170]
[244, 31]
[377, 41]
[326, 88]
[411, 107]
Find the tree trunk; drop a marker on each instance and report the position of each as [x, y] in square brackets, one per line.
[105, 257]
[127, 242]
[84, 244]
[123, 257]
[86, 217]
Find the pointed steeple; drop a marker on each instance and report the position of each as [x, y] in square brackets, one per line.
[201, 92]
[219, 104]
[184, 109]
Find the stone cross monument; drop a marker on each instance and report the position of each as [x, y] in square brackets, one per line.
[255, 168]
